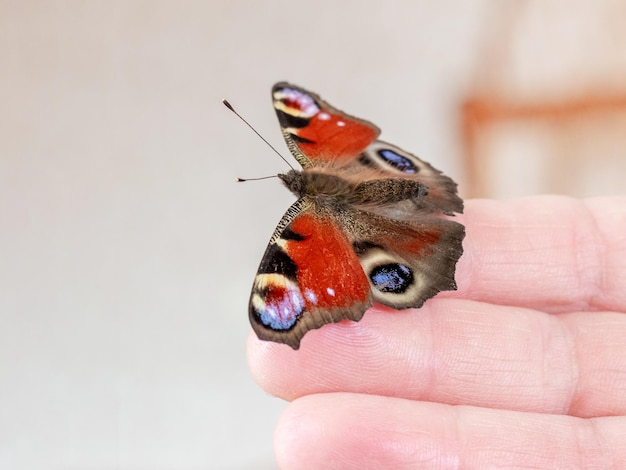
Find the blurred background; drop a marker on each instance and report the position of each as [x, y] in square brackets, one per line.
[127, 250]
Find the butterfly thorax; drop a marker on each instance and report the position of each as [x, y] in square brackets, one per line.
[317, 185]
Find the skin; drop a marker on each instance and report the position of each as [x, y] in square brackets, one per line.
[524, 366]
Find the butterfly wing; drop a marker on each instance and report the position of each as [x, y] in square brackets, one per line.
[300, 284]
[390, 161]
[320, 135]
[315, 132]
[406, 262]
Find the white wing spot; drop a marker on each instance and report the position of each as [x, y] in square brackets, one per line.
[310, 296]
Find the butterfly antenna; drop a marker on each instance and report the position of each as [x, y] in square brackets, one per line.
[230, 106]
[243, 180]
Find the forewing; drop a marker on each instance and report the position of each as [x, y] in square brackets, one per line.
[316, 133]
[309, 276]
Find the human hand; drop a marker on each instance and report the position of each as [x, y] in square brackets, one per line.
[523, 366]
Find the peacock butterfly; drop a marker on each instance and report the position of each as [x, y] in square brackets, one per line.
[367, 226]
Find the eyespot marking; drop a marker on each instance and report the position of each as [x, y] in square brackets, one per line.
[394, 278]
[398, 161]
[276, 301]
[296, 102]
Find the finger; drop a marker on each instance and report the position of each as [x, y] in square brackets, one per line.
[460, 352]
[550, 253]
[350, 431]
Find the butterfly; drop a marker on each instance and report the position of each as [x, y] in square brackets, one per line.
[367, 225]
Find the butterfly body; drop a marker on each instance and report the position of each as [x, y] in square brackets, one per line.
[326, 188]
[366, 227]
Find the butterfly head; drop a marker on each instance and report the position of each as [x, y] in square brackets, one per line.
[294, 182]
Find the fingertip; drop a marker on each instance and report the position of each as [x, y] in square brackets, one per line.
[274, 366]
[297, 433]
[261, 356]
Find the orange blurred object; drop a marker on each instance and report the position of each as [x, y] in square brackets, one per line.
[547, 113]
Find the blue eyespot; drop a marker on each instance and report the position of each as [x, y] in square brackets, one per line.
[394, 277]
[398, 161]
[278, 306]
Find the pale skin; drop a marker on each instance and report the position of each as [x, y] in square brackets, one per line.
[524, 366]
